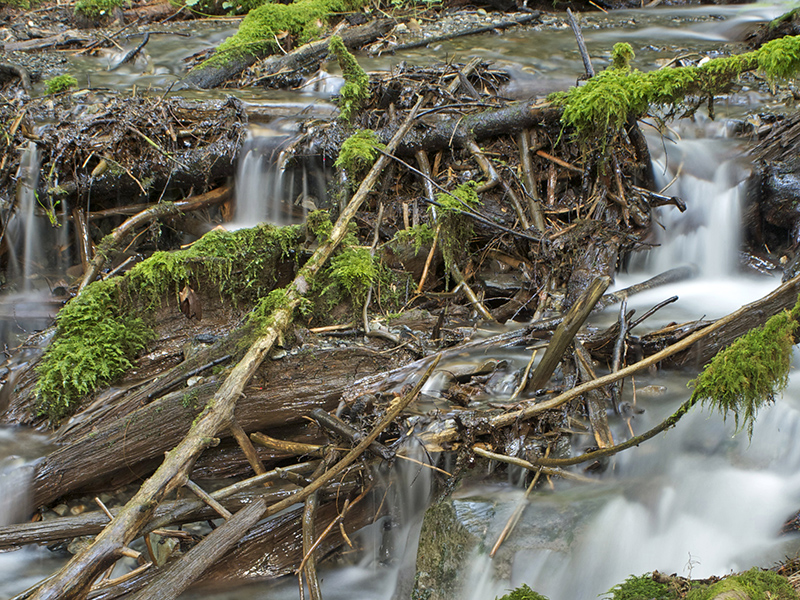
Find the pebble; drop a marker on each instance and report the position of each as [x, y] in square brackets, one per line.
[61, 509]
[78, 509]
[194, 381]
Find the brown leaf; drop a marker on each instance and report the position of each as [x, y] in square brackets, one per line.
[190, 303]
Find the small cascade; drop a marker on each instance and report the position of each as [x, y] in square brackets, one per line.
[268, 189]
[702, 168]
[24, 229]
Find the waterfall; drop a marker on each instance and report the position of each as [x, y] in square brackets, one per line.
[268, 188]
[25, 244]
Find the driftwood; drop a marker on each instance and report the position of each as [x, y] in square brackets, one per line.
[180, 574]
[721, 333]
[208, 76]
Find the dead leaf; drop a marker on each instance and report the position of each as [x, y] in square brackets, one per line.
[190, 303]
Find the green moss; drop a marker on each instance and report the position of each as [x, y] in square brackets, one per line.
[621, 55]
[356, 82]
[59, 84]
[523, 592]
[639, 588]
[358, 153]
[456, 228]
[319, 223]
[94, 344]
[748, 373]
[264, 25]
[416, 236]
[604, 104]
[755, 584]
[95, 9]
[354, 270]
[241, 263]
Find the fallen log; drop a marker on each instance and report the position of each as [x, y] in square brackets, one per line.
[213, 74]
[180, 574]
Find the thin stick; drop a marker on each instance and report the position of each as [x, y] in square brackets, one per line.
[429, 259]
[201, 493]
[576, 29]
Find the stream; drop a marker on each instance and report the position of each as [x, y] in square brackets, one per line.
[701, 499]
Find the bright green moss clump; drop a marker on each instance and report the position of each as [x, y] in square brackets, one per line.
[748, 373]
[94, 344]
[606, 102]
[358, 153]
[95, 9]
[264, 25]
[456, 227]
[97, 339]
[60, 83]
[416, 236]
[639, 588]
[241, 263]
[356, 82]
[754, 584]
[523, 592]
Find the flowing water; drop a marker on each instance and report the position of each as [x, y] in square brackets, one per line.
[698, 500]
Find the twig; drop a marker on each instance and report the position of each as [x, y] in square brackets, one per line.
[576, 29]
[201, 493]
[519, 462]
[429, 259]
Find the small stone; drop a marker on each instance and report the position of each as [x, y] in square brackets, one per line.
[60, 509]
[482, 11]
[48, 515]
[78, 509]
[193, 381]
[400, 28]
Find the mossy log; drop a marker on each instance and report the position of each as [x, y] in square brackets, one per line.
[281, 394]
[211, 74]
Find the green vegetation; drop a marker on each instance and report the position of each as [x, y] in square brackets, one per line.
[241, 263]
[416, 236]
[96, 339]
[523, 592]
[59, 84]
[754, 584]
[639, 588]
[94, 344]
[266, 23]
[748, 373]
[356, 82]
[354, 270]
[604, 104]
[95, 9]
[358, 153]
[456, 227]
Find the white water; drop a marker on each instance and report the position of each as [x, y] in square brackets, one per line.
[268, 189]
[24, 229]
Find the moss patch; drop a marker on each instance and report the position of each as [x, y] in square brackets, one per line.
[755, 584]
[456, 227]
[241, 263]
[94, 345]
[97, 338]
[639, 588]
[358, 153]
[356, 82]
[60, 83]
[96, 9]
[416, 236]
[523, 592]
[606, 102]
[264, 25]
[748, 373]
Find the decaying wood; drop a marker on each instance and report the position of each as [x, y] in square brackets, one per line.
[720, 333]
[118, 236]
[565, 333]
[182, 573]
